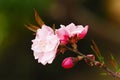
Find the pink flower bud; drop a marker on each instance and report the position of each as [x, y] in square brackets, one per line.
[91, 56]
[97, 63]
[69, 62]
[88, 61]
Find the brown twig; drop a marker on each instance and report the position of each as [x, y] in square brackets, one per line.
[103, 66]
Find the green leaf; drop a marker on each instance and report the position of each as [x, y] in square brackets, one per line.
[114, 63]
[97, 52]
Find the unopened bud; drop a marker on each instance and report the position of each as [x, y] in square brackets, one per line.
[80, 57]
[91, 56]
[69, 62]
[89, 60]
[97, 63]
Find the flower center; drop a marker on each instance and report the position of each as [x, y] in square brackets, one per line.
[42, 45]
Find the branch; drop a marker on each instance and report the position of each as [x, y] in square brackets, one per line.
[103, 66]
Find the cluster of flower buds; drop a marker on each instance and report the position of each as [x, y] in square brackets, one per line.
[69, 62]
[90, 60]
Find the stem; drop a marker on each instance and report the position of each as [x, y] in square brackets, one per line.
[103, 66]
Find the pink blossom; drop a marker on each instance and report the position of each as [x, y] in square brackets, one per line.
[45, 45]
[66, 32]
[91, 56]
[69, 62]
[63, 35]
[78, 30]
[83, 33]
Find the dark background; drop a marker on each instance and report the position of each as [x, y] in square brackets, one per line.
[16, 57]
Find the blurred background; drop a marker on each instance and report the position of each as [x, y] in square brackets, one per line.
[16, 57]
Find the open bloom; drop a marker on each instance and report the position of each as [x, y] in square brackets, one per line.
[71, 30]
[45, 45]
[62, 34]
[78, 30]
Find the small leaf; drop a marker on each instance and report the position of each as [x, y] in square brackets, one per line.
[96, 48]
[38, 19]
[114, 63]
[97, 52]
[32, 27]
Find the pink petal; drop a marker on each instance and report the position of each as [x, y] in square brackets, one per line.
[83, 33]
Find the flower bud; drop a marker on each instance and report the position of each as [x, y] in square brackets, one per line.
[91, 56]
[88, 61]
[97, 63]
[69, 62]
